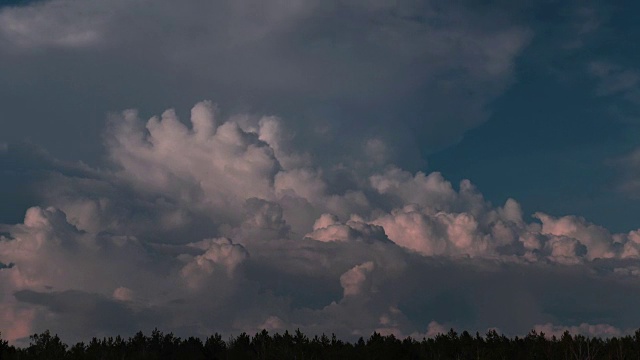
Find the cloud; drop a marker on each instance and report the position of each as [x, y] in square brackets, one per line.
[219, 255]
[296, 201]
[228, 225]
[590, 330]
[81, 310]
[628, 169]
[598, 241]
[614, 79]
[328, 228]
[353, 281]
[23, 166]
[53, 24]
[337, 67]
[227, 217]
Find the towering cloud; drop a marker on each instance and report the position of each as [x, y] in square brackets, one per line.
[223, 224]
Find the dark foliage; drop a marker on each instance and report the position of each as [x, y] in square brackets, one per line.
[298, 346]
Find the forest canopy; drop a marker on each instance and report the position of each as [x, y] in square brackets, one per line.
[296, 345]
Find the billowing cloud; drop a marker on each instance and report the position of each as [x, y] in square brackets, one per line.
[328, 228]
[226, 224]
[353, 281]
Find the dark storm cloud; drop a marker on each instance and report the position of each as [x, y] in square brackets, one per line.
[80, 310]
[23, 169]
[341, 68]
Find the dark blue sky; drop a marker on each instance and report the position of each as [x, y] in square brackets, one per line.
[18, 2]
[552, 141]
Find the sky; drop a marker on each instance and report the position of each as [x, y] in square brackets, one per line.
[335, 166]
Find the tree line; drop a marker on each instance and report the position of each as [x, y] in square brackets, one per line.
[298, 346]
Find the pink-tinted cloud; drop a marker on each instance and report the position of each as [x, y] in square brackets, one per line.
[224, 225]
